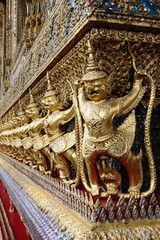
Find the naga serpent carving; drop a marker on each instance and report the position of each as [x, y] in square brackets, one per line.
[147, 139]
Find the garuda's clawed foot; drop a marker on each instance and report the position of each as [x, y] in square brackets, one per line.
[69, 181]
[135, 191]
[95, 190]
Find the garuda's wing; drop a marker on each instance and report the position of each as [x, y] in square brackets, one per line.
[134, 103]
[127, 129]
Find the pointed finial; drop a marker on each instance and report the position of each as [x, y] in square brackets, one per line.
[119, 215]
[157, 211]
[94, 216]
[143, 202]
[132, 202]
[21, 111]
[91, 201]
[151, 213]
[111, 215]
[49, 86]
[32, 103]
[121, 203]
[50, 91]
[97, 205]
[153, 200]
[143, 212]
[86, 198]
[127, 214]
[135, 213]
[31, 96]
[92, 72]
[91, 65]
[109, 204]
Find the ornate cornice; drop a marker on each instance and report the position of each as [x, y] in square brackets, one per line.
[24, 79]
[128, 21]
[44, 54]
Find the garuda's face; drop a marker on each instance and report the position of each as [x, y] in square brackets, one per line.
[96, 90]
[32, 112]
[50, 103]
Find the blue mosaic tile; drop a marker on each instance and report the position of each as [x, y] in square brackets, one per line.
[151, 8]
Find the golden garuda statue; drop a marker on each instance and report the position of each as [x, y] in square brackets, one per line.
[60, 143]
[100, 136]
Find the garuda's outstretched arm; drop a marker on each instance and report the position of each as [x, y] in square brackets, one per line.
[67, 115]
[132, 99]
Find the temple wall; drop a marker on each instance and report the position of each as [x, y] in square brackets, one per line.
[80, 118]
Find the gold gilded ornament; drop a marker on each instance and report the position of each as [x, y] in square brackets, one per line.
[33, 112]
[100, 136]
[61, 143]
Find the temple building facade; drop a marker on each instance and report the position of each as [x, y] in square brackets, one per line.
[79, 119]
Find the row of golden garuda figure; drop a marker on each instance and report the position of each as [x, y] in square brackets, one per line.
[83, 154]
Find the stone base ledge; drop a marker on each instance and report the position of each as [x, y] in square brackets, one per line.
[47, 218]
